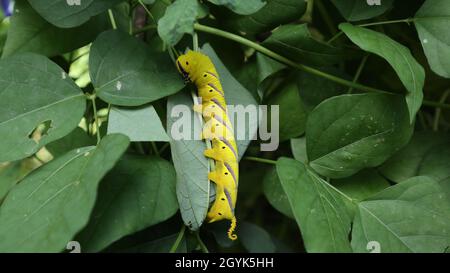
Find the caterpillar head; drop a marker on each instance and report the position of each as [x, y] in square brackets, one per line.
[189, 63]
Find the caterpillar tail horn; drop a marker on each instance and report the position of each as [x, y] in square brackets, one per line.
[231, 234]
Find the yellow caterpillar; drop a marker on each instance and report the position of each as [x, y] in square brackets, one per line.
[199, 69]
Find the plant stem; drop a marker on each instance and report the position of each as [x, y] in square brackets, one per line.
[178, 240]
[308, 16]
[326, 17]
[200, 242]
[155, 149]
[407, 20]
[260, 160]
[164, 147]
[111, 19]
[97, 127]
[358, 72]
[146, 10]
[195, 41]
[282, 59]
[438, 111]
[144, 29]
[302, 67]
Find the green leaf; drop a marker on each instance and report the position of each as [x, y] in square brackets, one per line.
[255, 239]
[432, 22]
[347, 133]
[297, 43]
[46, 209]
[319, 208]
[35, 96]
[410, 72]
[29, 32]
[412, 216]
[193, 189]
[361, 185]
[71, 13]
[139, 192]
[275, 194]
[241, 7]
[178, 19]
[292, 113]
[436, 164]
[139, 124]
[298, 148]
[273, 14]
[126, 72]
[357, 10]
[407, 162]
[76, 139]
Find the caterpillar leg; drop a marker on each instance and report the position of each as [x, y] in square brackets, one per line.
[231, 234]
[211, 153]
[212, 176]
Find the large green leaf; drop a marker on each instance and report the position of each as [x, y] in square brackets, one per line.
[296, 43]
[137, 193]
[139, 124]
[347, 133]
[412, 216]
[178, 19]
[275, 194]
[246, 7]
[432, 22]
[46, 209]
[193, 187]
[76, 139]
[71, 13]
[407, 162]
[298, 148]
[273, 14]
[410, 72]
[356, 10]
[29, 32]
[35, 91]
[436, 164]
[126, 72]
[292, 113]
[319, 208]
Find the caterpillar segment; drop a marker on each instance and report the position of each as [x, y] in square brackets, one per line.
[199, 69]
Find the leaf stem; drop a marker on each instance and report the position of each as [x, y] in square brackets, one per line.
[260, 160]
[164, 147]
[438, 111]
[146, 10]
[178, 240]
[144, 29]
[97, 127]
[155, 148]
[111, 19]
[326, 17]
[200, 242]
[358, 71]
[407, 20]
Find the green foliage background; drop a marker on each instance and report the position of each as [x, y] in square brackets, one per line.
[86, 93]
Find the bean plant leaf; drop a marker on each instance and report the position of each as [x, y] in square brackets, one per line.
[357, 10]
[255, 239]
[241, 7]
[319, 208]
[126, 72]
[47, 208]
[29, 32]
[275, 194]
[432, 22]
[412, 216]
[178, 20]
[410, 72]
[407, 162]
[76, 139]
[139, 124]
[347, 133]
[38, 104]
[139, 192]
[71, 13]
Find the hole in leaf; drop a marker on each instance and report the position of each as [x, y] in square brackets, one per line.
[41, 130]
